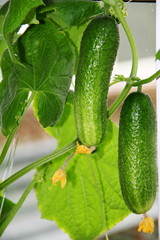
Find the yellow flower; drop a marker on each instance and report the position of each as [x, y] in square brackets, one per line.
[146, 225]
[84, 149]
[60, 175]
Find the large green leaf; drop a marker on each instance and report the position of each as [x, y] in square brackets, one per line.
[48, 63]
[74, 13]
[91, 202]
[75, 34]
[17, 12]
[66, 122]
[73, 16]
[49, 2]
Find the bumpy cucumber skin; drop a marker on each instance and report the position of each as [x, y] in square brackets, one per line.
[97, 56]
[137, 152]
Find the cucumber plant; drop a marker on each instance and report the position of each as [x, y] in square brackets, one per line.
[66, 38]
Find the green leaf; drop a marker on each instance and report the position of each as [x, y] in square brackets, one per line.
[75, 34]
[3, 45]
[158, 55]
[49, 2]
[91, 202]
[60, 130]
[7, 207]
[71, 16]
[74, 13]
[48, 62]
[12, 105]
[17, 12]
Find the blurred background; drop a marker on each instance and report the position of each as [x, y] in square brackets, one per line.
[34, 143]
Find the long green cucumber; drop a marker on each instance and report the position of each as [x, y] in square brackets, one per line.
[137, 152]
[97, 56]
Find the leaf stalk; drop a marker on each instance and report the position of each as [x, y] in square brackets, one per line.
[15, 209]
[39, 162]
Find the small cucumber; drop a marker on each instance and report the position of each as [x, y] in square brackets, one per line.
[137, 152]
[97, 56]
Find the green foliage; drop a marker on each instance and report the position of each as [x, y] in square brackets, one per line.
[41, 62]
[2, 47]
[17, 12]
[91, 202]
[48, 62]
[75, 34]
[2, 42]
[7, 207]
[72, 16]
[73, 13]
[65, 123]
[45, 69]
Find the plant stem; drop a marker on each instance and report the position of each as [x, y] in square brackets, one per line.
[7, 144]
[133, 73]
[15, 209]
[139, 89]
[147, 80]
[39, 162]
[119, 100]
[14, 130]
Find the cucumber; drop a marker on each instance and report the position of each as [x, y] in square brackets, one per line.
[97, 56]
[137, 152]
